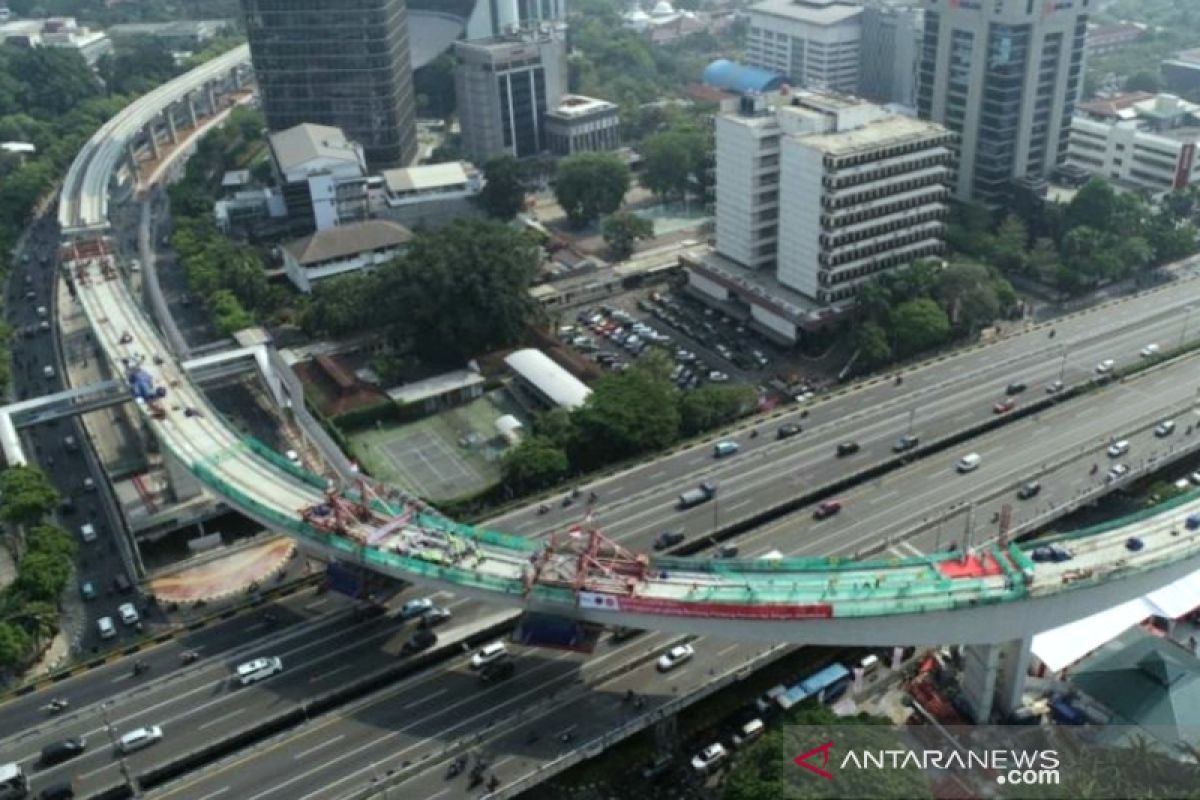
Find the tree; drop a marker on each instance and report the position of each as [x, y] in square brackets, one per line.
[871, 341]
[1170, 241]
[918, 325]
[714, 405]
[622, 230]
[966, 292]
[536, 463]
[968, 231]
[1043, 259]
[1008, 250]
[503, 194]
[52, 540]
[1143, 81]
[26, 495]
[1088, 258]
[55, 79]
[633, 412]
[671, 159]
[14, 645]
[590, 185]
[42, 577]
[1092, 206]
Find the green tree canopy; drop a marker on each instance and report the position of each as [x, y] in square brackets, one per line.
[714, 405]
[671, 159]
[919, 325]
[967, 293]
[1092, 206]
[26, 495]
[871, 341]
[504, 193]
[14, 645]
[536, 463]
[623, 230]
[629, 413]
[590, 185]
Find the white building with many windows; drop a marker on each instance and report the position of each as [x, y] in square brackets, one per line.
[1147, 144]
[816, 193]
[815, 43]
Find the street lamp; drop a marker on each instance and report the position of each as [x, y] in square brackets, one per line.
[1062, 366]
[112, 738]
[1187, 318]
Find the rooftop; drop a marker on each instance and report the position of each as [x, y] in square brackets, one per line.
[435, 386]
[888, 131]
[180, 28]
[761, 284]
[306, 142]
[563, 388]
[813, 12]
[431, 176]
[577, 105]
[348, 240]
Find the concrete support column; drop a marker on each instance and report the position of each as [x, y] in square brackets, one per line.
[993, 677]
[131, 154]
[191, 108]
[153, 140]
[263, 359]
[184, 485]
[172, 134]
[211, 94]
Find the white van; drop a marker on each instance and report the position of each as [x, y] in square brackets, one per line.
[137, 739]
[969, 462]
[106, 627]
[258, 669]
[488, 653]
[722, 449]
[87, 532]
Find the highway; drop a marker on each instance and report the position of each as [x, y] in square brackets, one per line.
[942, 398]
[319, 642]
[379, 734]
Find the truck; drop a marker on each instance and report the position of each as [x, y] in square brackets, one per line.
[13, 783]
[706, 491]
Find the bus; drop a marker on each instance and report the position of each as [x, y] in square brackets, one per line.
[825, 685]
[13, 783]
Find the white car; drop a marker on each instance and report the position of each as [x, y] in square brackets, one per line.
[748, 732]
[128, 614]
[137, 739]
[709, 757]
[1117, 471]
[259, 669]
[106, 627]
[1105, 366]
[415, 608]
[1118, 449]
[48, 371]
[487, 654]
[1149, 350]
[674, 657]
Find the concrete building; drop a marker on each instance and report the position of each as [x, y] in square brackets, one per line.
[1147, 142]
[581, 124]
[322, 174]
[439, 392]
[491, 18]
[816, 193]
[892, 33]
[1103, 39]
[345, 64]
[1182, 73]
[336, 251]
[815, 43]
[504, 87]
[429, 196]
[1004, 75]
[544, 381]
[62, 32]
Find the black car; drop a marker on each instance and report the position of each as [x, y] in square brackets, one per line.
[904, 443]
[1029, 490]
[1016, 387]
[788, 429]
[847, 449]
[497, 670]
[434, 616]
[726, 551]
[58, 752]
[121, 584]
[423, 639]
[57, 791]
[668, 539]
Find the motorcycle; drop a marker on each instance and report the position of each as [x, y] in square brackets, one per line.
[543, 509]
[139, 667]
[1052, 333]
[57, 705]
[566, 501]
[899, 379]
[454, 769]
[593, 497]
[1095, 469]
[754, 433]
[493, 784]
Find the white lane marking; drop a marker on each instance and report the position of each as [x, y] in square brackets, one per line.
[425, 699]
[83, 776]
[220, 719]
[736, 506]
[316, 747]
[328, 674]
[218, 792]
[879, 498]
[258, 626]
[661, 473]
[908, 546]
[729, 649]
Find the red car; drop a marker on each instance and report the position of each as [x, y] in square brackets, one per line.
[1004, 406]
[827, 509]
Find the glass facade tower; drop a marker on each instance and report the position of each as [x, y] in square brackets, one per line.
[343, 63]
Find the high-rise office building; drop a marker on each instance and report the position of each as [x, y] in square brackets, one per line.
[496, 17]
[891, 51]
[1005, 75]
[343, 64]
[815, 43]
[504, 86]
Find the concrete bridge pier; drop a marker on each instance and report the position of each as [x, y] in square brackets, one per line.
[184, 485]
[993, 677]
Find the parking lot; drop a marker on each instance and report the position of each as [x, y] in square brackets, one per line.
[705, 345]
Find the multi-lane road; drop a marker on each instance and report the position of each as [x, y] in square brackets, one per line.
[377, 736]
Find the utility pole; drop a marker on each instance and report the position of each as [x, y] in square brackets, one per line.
[112, 738]
[912, 413]
[1186, 319]
[1062, 366]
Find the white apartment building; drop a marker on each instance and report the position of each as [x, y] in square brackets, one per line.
[322, 174]
[815, 43]
[1149, 144]
[815, 194]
